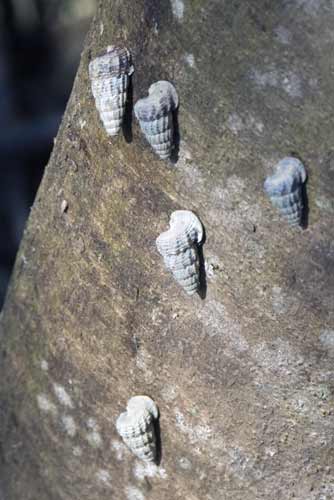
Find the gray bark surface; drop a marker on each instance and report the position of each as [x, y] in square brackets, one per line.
[244, 377]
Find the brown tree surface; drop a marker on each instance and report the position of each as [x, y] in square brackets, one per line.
[243, 377]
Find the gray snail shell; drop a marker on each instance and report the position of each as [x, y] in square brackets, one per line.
[136, 426]
[155, 116]
[179, 248]
[109, 74]
[285, 189]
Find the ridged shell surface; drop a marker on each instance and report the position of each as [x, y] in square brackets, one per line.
[285, 189]
[179, 248]
[109, 74]
[155, 115]
[136, 427]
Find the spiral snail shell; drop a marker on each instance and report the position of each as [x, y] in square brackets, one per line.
[109, 74]
[179, 248]
[285, 189]
[155, 116]
[136, 426]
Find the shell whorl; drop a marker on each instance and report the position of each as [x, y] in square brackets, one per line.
[136, 426]
[109, 74]
[285, 189]
[155, 115]
[179, 248]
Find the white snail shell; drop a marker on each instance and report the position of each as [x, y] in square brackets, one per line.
[285, 189]
[179, 248]
[109, 74]
[136, 426]
[155, 115]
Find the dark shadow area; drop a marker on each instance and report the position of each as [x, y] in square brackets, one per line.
[176, 138]
[128, 114]
[40, 46]
[305, 215]
[304, 221]
[157, 431]
[202, 272]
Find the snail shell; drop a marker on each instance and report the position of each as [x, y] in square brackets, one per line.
[136, 427]
[109, 74]
[285, 189]
[179, 248]
[155, 115]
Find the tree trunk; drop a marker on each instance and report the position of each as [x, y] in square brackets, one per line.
[244, 376]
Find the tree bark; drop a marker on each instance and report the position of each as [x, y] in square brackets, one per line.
[243, 377]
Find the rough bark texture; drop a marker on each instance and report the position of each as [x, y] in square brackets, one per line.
[244, 377]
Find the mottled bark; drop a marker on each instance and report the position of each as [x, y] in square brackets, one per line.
[244, 377]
